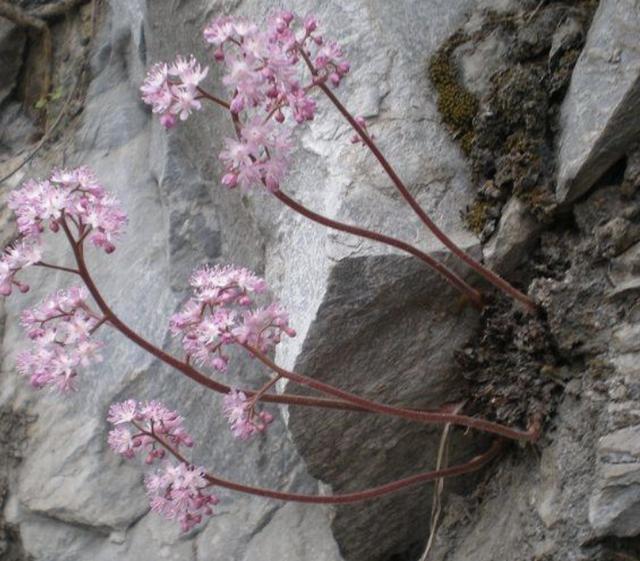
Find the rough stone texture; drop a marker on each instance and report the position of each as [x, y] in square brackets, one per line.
[367, 318]
[71, 498]
[12, 42]
[600, 112]
[580, 493]
[614, 508]
[379, 332]
[516, 235]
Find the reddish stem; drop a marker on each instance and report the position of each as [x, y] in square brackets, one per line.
[213, 98]
[409, 414]
[488, 274]
[451, 277]
[263, 390]
[57, 267]
[353, 402]
[472, 465]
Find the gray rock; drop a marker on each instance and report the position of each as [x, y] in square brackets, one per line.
[516, 235]
[599, 116]
[295, 532]
[12, 42]
[380, 323]
[480, 60]
[614, 506]
[394, 323]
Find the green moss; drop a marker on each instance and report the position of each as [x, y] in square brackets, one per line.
[477, 216]
[457, 105]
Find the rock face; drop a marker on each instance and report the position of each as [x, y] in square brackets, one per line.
[368, 319]
[12, 42]
[600, 112]
[614, 508]
[71, 498]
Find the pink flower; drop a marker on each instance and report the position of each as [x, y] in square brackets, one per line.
[61, 330]
[211, 319]
[73, 195]
[123, 412]
[261, 157]
[172, 89]
[150, 420]
[15, 258]
[263, 328]
[244, 421]
[122, 442]
[179, 492]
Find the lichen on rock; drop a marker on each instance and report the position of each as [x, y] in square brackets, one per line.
[519, 64]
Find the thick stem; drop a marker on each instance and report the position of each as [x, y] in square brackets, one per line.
[347, 401]
[264, 389]
[346, 498]
[451, 277]
[488, 274]
[410, 414]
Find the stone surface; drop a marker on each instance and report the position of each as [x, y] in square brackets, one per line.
[600, 112]
[12, 43]
[381, 333]
[71, 498]
[614, 507]
[367, 318]
[516, 235]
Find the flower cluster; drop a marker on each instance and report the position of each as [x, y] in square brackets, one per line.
[260, 156]
[265, 74]
[264, 70]
[176, 491]
[172, 89]
[19, 256]
[68, 197]
[243, 419]
[221, 313]
[263, 66]
[151, 420]
[60, 328]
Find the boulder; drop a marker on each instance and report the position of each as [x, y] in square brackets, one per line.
[600, 113]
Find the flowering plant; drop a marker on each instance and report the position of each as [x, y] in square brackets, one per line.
[272, 76]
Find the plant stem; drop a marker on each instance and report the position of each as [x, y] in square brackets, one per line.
[346, 498]
[264, 389]
[530, 435]
[346, 400]
[57, 267]
[488, 274]
[451, 277]
[212, 97]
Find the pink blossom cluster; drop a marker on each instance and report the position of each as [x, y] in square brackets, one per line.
[264, 73]
[150, 420]
[176, 491]
[15, 258]
[260, 157]
[68, 197]
[221, 313]
[172, 89]
[242, 416]
[61, 329]
[179, 492]
[264, 66]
